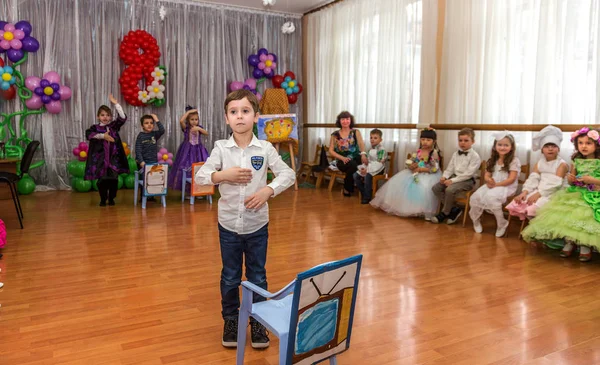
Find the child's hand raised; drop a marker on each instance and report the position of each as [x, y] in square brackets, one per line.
[154, 117]
[112, 99]
[258, 199]
[191, 111]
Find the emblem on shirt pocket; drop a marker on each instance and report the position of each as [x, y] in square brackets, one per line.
[257, 162]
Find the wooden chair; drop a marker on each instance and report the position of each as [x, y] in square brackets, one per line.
[388, 172]
[522, 178]
[307, 167]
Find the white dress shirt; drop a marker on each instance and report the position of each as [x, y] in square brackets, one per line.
[463, 167]
[258, 156]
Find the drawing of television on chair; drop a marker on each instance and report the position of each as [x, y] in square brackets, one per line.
[325, 310]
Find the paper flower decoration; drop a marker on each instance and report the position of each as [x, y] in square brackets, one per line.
[249, 84]
[264, 64]
[47, 92]
[165, 156]
[16, 39]
[288, 83]
[7, 79]
[81, 151]
[155, 90]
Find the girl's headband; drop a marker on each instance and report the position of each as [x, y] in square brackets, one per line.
[429, 133]
[501, 135]
[592, 133]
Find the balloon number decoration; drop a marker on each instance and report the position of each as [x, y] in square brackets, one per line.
[140, 52]
[35, 95]
[288, 83]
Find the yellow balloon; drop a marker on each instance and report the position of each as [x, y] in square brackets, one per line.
[156, 90]
[6, 76]
[48, 90]
[165, 157]
[268, 63]
[83, 154]
[291, 84]
[9, 36]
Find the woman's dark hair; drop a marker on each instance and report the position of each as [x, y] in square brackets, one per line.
[342, 115]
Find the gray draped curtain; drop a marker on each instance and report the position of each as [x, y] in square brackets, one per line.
[204, 47]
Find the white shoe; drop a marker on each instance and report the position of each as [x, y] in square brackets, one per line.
[428, 218]
[501, 230]
[477, 226]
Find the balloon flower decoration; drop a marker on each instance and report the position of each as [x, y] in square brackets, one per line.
[140, 52]
[249, 84]
[264, 64]
[35, 95]
[288, 83]
[165, 156]
[81, 151]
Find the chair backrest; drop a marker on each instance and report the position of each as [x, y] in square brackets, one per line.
[317, 154]
[323, 311]
[391, 159]
[524, 174]
[28, 156]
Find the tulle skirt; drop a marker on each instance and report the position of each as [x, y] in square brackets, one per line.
[407, 195]
[568, 216]
[187, 154]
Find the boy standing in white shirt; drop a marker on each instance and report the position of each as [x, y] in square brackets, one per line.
[239, 166]
[458, 177]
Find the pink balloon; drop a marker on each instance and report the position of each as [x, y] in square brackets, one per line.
[162, 151]
[236, 85]
[170, 155]
[261, 66]
[267, 70]
[82, 146]
[258, 96]
[9, 27]
[4, 44]
[52, 76]
[19, 34]
[251, 83]
[32, 82]
[34, 103]
[53, 107]
[16, 44]
[64, 92]
[270, 57]
[273, 65]
[76, 151]
[262, 57]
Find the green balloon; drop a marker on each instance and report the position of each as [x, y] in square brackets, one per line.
[26, 185]
[120, 182]
[81, 185]
[132, 165]
[95, 184]
[76, 168]
[130, 181]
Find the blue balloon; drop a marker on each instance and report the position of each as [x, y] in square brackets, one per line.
[284, 85]
[8, 69]
[289, 91]
[296, 89]
[2, 24]
[253, 60]
[55, 96]
[44, 83]
[287, 79]
[258, 73]
[39, 91]
[5, 85]
[55, 86]
[25, 26]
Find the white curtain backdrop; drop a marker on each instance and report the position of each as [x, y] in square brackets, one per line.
[204, 47]
[365, 57]
[519, 61]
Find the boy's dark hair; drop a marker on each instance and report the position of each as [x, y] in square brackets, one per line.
[467, 132]
[343, 115]
[104, 108]
[144, 117]
[377, 132]
[239, 95]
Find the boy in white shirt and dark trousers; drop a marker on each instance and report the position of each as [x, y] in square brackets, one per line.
[458, 177]
[239, 166]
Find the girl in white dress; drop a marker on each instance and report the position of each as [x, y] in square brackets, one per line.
[500, 182]
[547, 177]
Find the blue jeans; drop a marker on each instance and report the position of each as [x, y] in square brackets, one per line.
[364, 185]
[233, 249]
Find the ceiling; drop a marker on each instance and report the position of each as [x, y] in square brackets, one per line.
[285, 6]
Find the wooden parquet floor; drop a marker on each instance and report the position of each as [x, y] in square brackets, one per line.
[121, 285]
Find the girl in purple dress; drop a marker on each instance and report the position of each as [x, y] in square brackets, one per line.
[191, 150]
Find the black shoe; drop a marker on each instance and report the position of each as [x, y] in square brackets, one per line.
[151, 199]
[102, 203]
[111, 202]
[455, 213]
[258, 332]
[365, 201]
[230, 330]
[438, 218]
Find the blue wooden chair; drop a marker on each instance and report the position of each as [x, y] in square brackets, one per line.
[315, 322]
[188, 180]
[140, 183]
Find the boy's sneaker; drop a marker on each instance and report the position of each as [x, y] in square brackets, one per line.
[102, 203]
[230, 331]
[455, 213]
[438, 218]
[259, 335]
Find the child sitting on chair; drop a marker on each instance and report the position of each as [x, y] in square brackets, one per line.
[363, 178]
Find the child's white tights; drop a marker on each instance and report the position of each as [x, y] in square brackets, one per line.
[475, 213]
